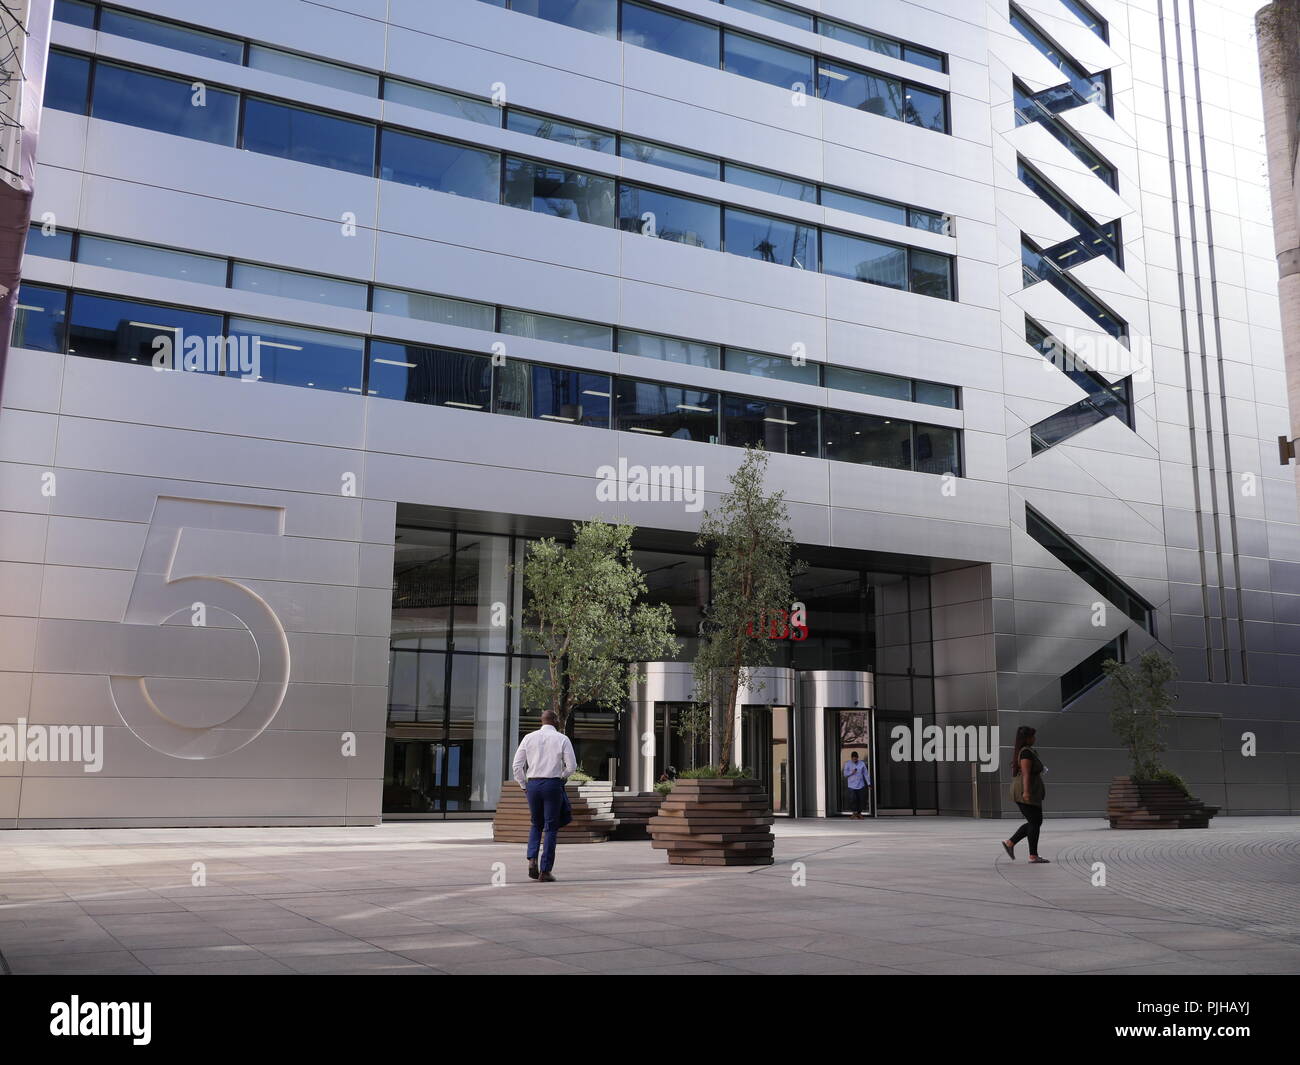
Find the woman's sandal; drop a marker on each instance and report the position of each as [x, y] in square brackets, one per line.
[1011, 852]
[1035, 860]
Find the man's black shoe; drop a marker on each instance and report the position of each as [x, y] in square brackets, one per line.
[532, 869]
[547, 878]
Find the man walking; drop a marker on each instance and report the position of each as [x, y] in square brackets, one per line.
[544, 760]
[857, 777]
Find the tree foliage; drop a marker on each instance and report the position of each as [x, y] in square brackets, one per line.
[753, 567]
[583, 611]
[1142, 704]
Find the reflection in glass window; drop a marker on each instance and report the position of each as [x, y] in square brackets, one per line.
[867, 383]
[163, 104]
[772, 366]
[423, 591]
[143, 259]
[937, 450]
[428, 163]
[923, 107]
[931, 274]
[930, 221]
[40, 317]
[776, 184]
[851, 35]
[67, 82]
[313, 70]
[935, 394]
[861, 259]
[426, 308]
[923, 57]
[668, 349]
[308, 136]
[74, 12]
[867, 439]
[773, 240]
[310, 358]
[557, 330]
[656, 409]
[169, 35]
[128, 331]
[430, 375]
[441, 103]
[670, 34]
[764, 61]
[867, 206]
[295, 286]
[669, 217]
[55, 245]
[552, 129]
[779, 12]
[551, 189]
[859, 89]
[594, 16]
[553, 394]
[780, 427]
[674, 158]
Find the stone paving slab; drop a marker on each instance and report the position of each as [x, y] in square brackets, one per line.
[924, 895]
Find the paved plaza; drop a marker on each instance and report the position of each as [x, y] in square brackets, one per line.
[914, 895]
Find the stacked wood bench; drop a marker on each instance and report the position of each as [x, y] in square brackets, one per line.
[593, 814]
[1154, 805]
[633, 811]
[722, 821]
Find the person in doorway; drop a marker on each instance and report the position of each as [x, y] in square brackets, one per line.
[857, 777]
[544, 761]
[1027, 792]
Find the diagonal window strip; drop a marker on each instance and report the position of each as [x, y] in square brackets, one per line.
[1092, 572]
[1080, 87]
[1033, 108]
[1089, 18]
[1089, 673]
[1103, 400]
[1092, 239]
[1035, 267]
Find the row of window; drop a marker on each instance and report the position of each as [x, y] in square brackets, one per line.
[642, 25]
[121, 330]
[1037, 107]
[712, 45]
[1080, 87]
[1089, 18]
[1103, 399]
[428, 307]
[1036, 267]
[1092, 239]
[118, 93]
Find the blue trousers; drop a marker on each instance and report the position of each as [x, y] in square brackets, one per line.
[545, 798]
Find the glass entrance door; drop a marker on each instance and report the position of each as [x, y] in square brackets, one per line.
[765, 751]
[848, 731]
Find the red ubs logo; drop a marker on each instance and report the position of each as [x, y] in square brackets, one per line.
[780, 625]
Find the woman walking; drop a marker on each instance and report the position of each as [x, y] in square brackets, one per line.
[1027, 792]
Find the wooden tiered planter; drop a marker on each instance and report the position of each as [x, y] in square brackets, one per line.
[593, 814]
[1154, 805]
[715, 822]
[633, 812]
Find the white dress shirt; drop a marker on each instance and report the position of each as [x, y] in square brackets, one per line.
[544, 753]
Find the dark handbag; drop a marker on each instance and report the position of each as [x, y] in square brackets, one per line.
[566, 810]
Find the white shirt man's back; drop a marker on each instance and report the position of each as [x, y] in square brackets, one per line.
[547, 752]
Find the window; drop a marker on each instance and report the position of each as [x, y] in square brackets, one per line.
[930, 221]
[923, 57]
[430, 375]
[40, 318]
[669, 217]
[873, 42]
[925, 108]
[669, 349]
[550, 189]
[936, 450]
[75, 13]
[859, 89]
[440, 165]
[931, 274]
[313, 70]
[1089, 18]
[671, 34]
[763, 61]
[309, 358]
[773, 366]
[143, 259]
[308, 136]
[777, 184]
[860, 259]
[56, 245]
[67, 82]
[442, 103]
[786, 15]
[594, 16]
[553, 129]
[773, 240]
[866, 206]
[169, 35]
[425, 308]
[867, 439]
[557, 330]
[936, 395]
[674, 158]
[126, 331]
[163, 104]
[656, 409]
[780, 427]
[553, 394]
[868, 384]
[295, 286]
